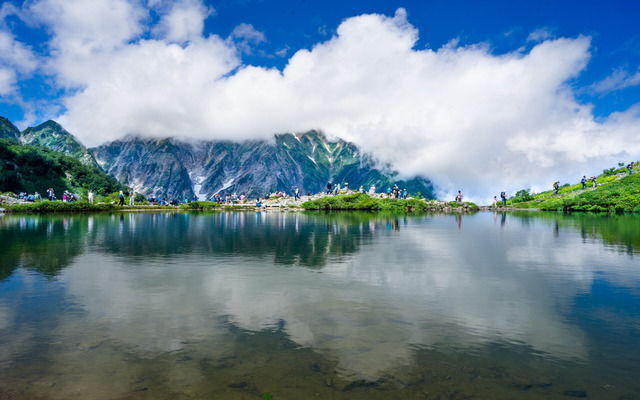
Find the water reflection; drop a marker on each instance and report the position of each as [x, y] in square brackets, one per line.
[377, 293]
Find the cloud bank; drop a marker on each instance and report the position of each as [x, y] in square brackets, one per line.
[461, 115]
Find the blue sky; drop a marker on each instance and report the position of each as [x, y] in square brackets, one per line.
[547, 84]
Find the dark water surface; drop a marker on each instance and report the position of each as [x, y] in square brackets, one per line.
[326, 306]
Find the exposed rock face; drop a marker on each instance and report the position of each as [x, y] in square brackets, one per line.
[175, 169]
[53, 136]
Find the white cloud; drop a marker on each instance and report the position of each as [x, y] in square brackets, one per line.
[540, 35]
[461, 115]
[89, 27]
[618, 80]
[185, 21]
[246, 36]
[7, 80]
[16, 59]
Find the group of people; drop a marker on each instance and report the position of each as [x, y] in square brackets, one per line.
[230, 198]
[396, 193]
[132, 198]
[335, 189]
[503, 199]
[67, 196]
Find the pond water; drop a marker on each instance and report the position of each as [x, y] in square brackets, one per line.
[311, 305]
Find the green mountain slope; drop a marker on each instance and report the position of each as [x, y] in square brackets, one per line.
[7, 129]
[616, 192]
[31, 169]
[52, 135]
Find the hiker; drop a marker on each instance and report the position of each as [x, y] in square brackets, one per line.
[630, 168]
[495, 201]
[459, 197]
[556, 186]
[372, 190]
[503, 196]
[132, 199]
[90, 196]
[594, 180]
[50, 194]
[296, 194]
[584, 181]
[361, 190]
[404, 193]
[121, 198]
[329, 187]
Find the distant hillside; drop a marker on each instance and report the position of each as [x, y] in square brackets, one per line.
[31, 169]
[53, 136]
[7, 129]
[616, 191]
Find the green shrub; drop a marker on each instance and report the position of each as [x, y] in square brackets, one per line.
[60, 206]
[200, 205]
[523, 195]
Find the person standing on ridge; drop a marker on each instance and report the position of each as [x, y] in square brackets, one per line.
[132, 199]
[630, 168]
[296, 194]
[459, 197]
[584, 182]
[556, 186]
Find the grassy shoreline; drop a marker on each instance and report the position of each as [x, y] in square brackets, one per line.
[46, 206]
[617, 194]
[344, 202]
[364, 202]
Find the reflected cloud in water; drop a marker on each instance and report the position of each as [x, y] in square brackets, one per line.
[372, 288]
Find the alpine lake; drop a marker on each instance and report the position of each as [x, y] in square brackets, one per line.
[308, 305]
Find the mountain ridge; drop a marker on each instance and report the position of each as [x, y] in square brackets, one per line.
[176, 168]
[52, 135]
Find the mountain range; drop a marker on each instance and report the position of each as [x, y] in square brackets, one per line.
[173, 168]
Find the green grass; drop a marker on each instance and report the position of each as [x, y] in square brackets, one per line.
[613, 194]
[200, 205]
[364, 202]
[60, 206]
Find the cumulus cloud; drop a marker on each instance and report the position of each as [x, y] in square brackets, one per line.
[461, 115]
[184, 21]
[89, 27]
